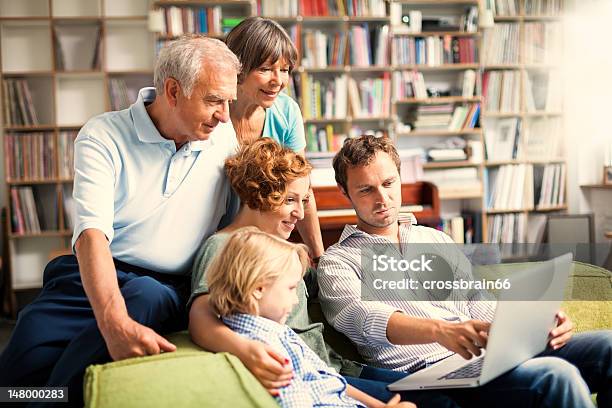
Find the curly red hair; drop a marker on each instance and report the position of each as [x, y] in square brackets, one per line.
[261, 171]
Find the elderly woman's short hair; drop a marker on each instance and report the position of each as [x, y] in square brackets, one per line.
[257, 40]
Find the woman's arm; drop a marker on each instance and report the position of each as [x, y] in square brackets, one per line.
[309, 227]
[207, 331]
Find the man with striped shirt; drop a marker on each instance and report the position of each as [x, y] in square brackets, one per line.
[406, 335]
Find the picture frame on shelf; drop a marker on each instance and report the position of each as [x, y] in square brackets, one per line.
[607, 175]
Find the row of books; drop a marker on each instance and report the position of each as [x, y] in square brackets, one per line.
[502, 138]
[542, 7]
[173, 21]
[550, 185]
[465, 117]
[507, 228]
[120, 95]
[509, 187]
[275, 8]
[323, 49]
[501, 44]
[324, 98]
[370, 96]
[535, 139]
[30, 156]
[516, 187]
[77, 47]
[542, 138]
[323, 139]
[24, 217]
[542, 43]
[411, 84]
[34, 209]
[543, 91]
[327, 139]
[65, 153]
[464, 228]
[356, 8]
[445, 117]
[434, 50]
[369, 45]
[500, 90]
[19, 110]
[502, 7]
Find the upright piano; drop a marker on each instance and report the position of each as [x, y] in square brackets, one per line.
[335, 210]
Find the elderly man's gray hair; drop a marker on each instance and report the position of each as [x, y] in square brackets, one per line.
[184, 58]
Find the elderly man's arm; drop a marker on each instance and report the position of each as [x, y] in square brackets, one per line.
[124, 337]
[94, 198]
[379, 324]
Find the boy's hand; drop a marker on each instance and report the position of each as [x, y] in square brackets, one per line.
[395, 403]
[271, 369]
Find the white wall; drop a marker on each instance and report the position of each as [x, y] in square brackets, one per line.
[588, 106]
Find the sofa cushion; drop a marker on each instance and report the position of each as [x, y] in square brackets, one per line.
[188, 377]
[589, 292]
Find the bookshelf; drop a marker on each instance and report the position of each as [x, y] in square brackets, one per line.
[522, 118]
[62, 62]
[78, 58]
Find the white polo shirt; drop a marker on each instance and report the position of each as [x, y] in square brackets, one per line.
[154, 204]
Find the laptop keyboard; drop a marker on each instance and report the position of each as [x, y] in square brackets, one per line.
[470, 370]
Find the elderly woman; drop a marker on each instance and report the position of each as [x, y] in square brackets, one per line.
[261, 110]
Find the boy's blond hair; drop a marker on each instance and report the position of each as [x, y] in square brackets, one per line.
[249, 259]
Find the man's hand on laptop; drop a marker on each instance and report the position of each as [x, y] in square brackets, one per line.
[561, 334]
[465, 339]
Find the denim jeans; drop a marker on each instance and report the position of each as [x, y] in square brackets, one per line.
[555, 379]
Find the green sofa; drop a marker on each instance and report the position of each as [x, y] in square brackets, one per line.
[193, 377]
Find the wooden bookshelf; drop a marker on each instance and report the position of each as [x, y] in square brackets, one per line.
[96, 40]
[449, 164]
[597, 186]
[68, 96]
[534, 120]
[438, 100]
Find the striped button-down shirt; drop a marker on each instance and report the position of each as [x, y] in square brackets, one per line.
[314, 384]
[340, 277]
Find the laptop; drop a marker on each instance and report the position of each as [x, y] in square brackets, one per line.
[519, 331]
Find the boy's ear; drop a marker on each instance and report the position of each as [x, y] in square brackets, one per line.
[258, 293]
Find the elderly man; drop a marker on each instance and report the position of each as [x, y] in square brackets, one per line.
[149, 187]
[407, 335]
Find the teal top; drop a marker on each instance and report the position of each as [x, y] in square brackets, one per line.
[284, 123]
[299, 321]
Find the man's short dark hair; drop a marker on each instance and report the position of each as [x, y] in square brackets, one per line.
[360, 151]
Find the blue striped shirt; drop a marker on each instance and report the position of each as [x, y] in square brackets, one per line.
[365, 322]
[314, 383]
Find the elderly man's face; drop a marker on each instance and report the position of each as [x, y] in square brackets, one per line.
[208, 104]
